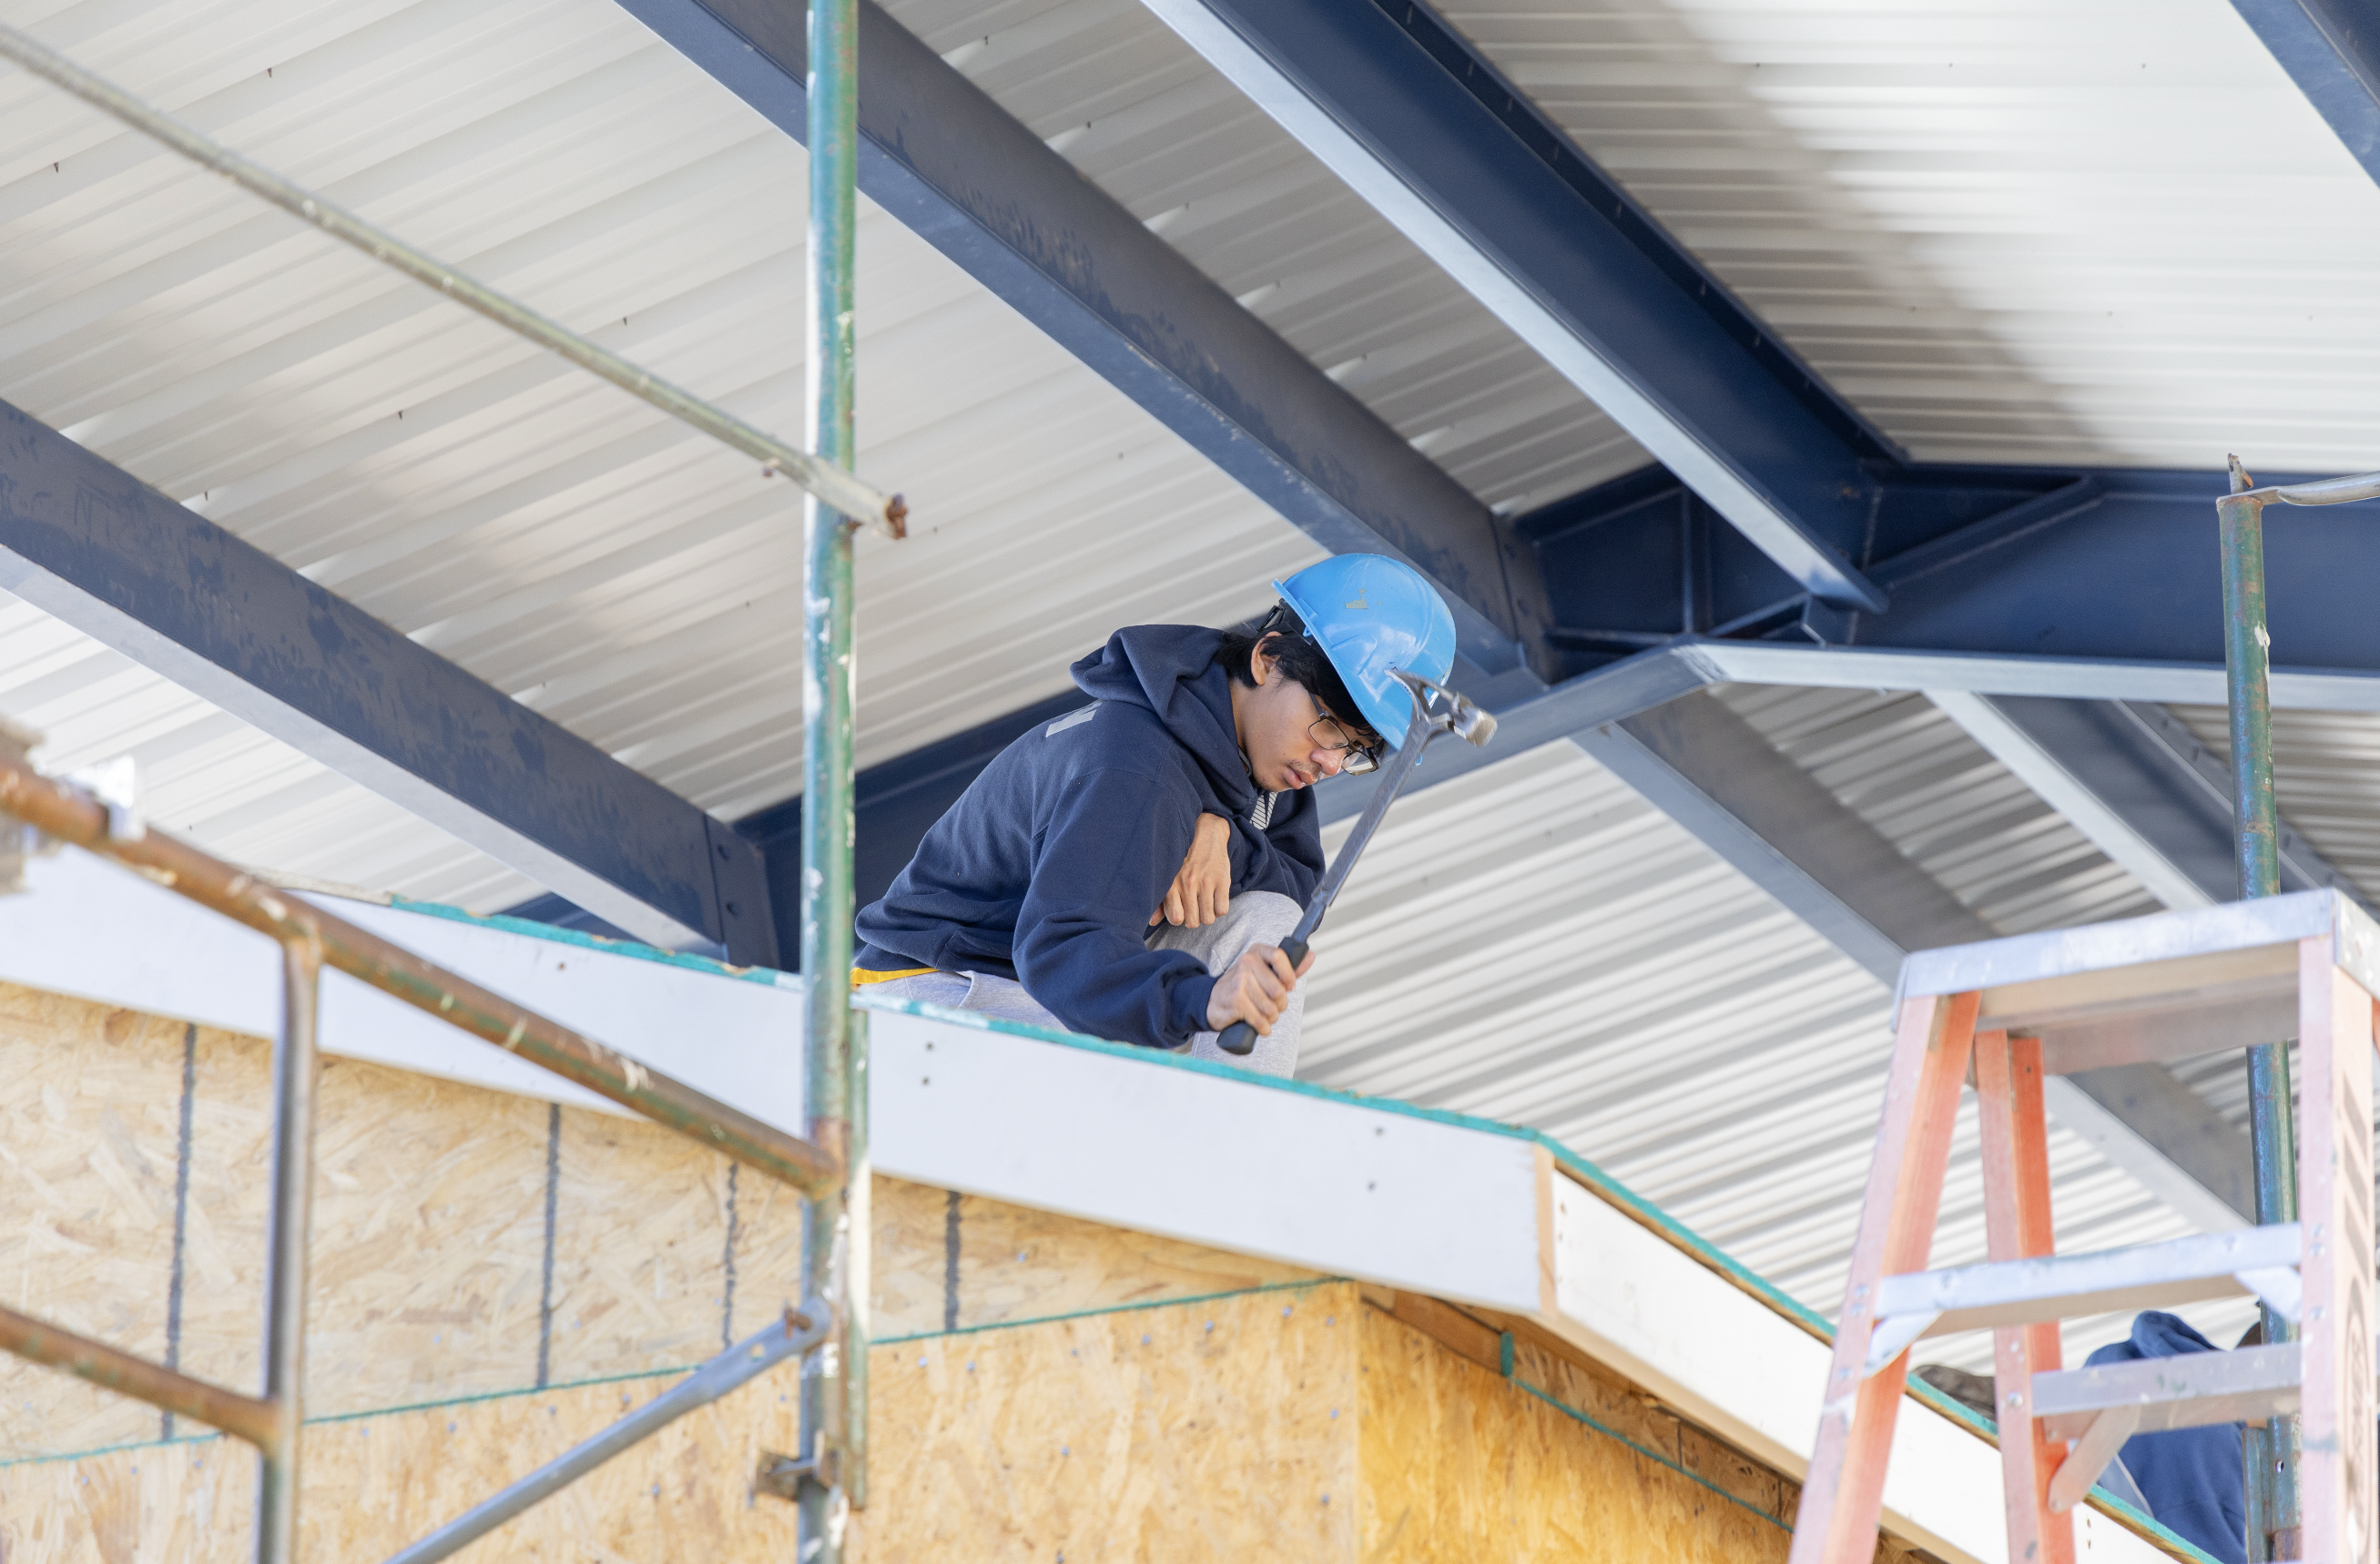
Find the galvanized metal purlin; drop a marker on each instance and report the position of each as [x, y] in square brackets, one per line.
[2326, 491]
[2272, 1129]
[824, 478]
[797, 1333]
[295, 1075]
[37, 1340]
[397, 971]
[834, 1238]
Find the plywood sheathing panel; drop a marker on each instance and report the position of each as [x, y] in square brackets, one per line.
[640, 1249]
[1216, 1430]
[428, 1238]
[1457, 1459]
[89, 1127]
[1001, 1264]
[373, 1485]
[429, 1223]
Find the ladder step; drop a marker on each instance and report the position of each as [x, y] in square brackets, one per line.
[2188, 1391]
[2100, 1408]
[2262, 1261]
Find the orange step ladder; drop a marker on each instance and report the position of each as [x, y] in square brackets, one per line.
[2168, 987]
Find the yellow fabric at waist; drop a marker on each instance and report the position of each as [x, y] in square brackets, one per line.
[861, 977]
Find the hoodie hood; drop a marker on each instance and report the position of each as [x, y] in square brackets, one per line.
[2156, 1334]
[1173, 670]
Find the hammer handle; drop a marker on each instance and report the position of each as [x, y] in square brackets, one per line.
[1239, 1038]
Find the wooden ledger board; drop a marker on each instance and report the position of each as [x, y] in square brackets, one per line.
[495, 1278]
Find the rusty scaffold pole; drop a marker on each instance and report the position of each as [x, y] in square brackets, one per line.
[835, 1241]
[2272, 1449]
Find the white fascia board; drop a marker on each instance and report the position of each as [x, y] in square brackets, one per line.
[1631, 1299]
[89, 928]
[1204, 1152]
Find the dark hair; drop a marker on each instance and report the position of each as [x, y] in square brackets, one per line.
[1283, 635]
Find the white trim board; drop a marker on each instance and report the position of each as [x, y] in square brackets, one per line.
[1406, 1202]
[1630, 1299]
[89, 928]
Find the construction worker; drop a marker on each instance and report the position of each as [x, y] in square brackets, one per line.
[1129, 870]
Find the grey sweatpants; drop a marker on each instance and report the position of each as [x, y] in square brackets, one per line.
[1260, 918]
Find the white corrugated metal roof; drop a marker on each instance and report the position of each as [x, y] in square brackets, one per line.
[2087, 231]
[2326, 780]
[1898, 763]
[2327, 783]
[544, 531]
[1535, 943]
[1143, 118]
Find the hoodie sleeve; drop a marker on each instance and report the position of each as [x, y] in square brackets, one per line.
[1111, 847]
[1286, 856]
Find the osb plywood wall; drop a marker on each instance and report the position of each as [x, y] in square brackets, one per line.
[495, 1279]
[470, 1249]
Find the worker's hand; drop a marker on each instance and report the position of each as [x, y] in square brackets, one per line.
[1201, 890]
[1254, 989]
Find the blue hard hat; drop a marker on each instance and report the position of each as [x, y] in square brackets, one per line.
[1370, 613]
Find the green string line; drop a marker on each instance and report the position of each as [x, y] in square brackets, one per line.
[679, 1369]
[358, 1416]
[2177, 1543]
[1649, 1454]
[1112, 1309]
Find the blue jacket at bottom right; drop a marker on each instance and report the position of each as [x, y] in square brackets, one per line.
[2193, 1478]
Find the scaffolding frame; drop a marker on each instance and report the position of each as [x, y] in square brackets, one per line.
[830, 1479]
[310, 939]
[2272, 1446]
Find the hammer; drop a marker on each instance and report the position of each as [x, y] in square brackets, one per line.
[1437, 710]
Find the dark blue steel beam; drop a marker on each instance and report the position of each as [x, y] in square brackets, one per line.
[2106, 581]
[896, 801]
[2331, 49]
[955, 167]
[93, 546]
[2005, 581]
[1422, 127]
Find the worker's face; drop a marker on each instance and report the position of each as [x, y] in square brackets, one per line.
[1290, 738]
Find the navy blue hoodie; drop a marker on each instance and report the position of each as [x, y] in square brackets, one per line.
[2193, 1478]
[1048, 867]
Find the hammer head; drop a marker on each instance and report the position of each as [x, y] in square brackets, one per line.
[1474, 726]
[1445, 710]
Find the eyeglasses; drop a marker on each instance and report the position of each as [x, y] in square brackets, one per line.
[1358, 759]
